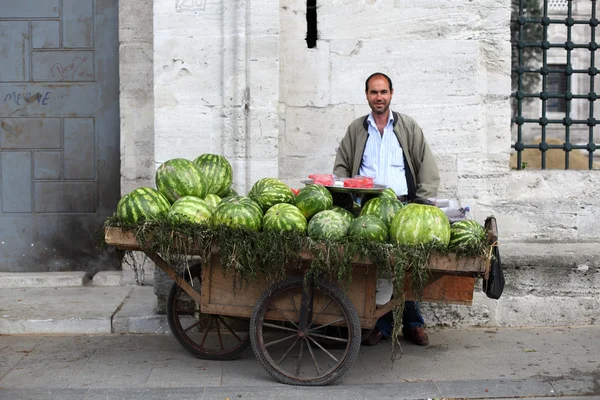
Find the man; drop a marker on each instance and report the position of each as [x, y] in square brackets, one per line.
[391, 148]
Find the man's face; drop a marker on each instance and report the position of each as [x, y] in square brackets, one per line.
[379, 95]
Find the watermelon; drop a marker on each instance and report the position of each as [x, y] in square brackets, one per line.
[284, 217]
[344, 213]
[270, 191]
[180, 177]
[328, 225]
[467, 233]
[243, 199]
[313, 199]
[142, 204]
[382, 207]
[420, 224]
[191, 209]
[368, 227]
[217, 172]
[238, 213]
[388, 193]
[230, 192]
[212, 200]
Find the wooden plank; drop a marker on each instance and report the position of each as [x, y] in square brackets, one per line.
[123, 239]
[224, 299]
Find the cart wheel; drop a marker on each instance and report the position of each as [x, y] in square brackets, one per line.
[206, 336]
[317, 355]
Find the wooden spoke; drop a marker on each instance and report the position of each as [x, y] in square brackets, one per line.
[206, 333]
[323, 348]
[193, 325]
[312, 356]
[288, 350]
[320, 312]
[284, 316]
[327, 324]
[299, 363]
[229, 328]
[219, 334]
[279, 340]
[283, 328]
[329, 337]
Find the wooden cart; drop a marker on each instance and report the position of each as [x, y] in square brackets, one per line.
[301, 334]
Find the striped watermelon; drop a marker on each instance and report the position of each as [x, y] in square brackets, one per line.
[388, 193]
[270, 191]
[420, 224]
[344, 213]
[180, 177]
[142, 204]
[313, 199]
[230, 192]
[368, 227]
[382, 207]
[467, 233]
[328, 225]
[217, 172]
[190, 209]
[243, 199]
[284, 217]
[238, 213]
[212, 200]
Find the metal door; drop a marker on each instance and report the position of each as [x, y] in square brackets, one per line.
[59, 133]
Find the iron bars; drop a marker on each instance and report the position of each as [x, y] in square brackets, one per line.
[564, 92]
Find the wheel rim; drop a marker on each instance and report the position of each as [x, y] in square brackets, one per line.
[315, 353]
[206, 333]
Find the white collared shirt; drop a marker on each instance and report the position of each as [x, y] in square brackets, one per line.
[383, 158]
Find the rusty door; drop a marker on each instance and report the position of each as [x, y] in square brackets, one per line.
[59, 133]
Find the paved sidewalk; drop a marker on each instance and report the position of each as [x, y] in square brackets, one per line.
[473, 363]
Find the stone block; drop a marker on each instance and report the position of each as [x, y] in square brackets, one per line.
[107, 278]
[47, 165]
[136, 76]
[448, 68]
[59, 66]
[444, 20]
[30, 9]
[78, 23]
[311, 131]
[182, 132]
[587, 220]
[65, 197]
[482, 175]
[547, 311]
[16, 182]
[79, 148]
[13, 280]
[292, 17]
[14, 40]
[446, 164]
[45, 34]
[306, 77]
[135, 21]
[542, 220]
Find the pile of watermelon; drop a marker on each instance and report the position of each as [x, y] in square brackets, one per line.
[200, 192]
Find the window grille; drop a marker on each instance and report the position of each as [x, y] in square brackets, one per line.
[557, 4]
[557, 80]
[557, 84]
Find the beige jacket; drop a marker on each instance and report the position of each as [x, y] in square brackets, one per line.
[422, 175]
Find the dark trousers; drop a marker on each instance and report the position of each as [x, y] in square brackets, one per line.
[411, 316]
